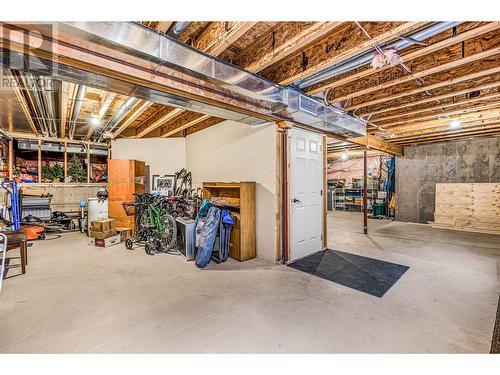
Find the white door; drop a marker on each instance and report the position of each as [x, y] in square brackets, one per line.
[306, 181]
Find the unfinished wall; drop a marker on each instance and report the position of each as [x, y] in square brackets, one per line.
[230, 151]
[164, 156]
[475, 160]
[67, 197]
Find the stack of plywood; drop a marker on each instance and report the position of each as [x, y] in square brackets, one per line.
[125, 178]
[473, 207]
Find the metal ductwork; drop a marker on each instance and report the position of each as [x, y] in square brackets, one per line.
[80, 95]
[367, 57]
[118, 116]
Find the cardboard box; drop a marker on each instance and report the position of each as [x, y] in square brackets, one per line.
[125, 233]
[102, 225]
[34, 192]
[102, 235]
[105, 242]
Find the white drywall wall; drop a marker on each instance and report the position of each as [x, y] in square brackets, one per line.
[231, 151]
[163, 155]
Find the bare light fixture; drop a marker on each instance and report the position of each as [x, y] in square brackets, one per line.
[94, 120]
[455, 124]
[344, 156]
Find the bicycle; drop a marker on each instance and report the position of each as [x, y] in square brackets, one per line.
[153, 224]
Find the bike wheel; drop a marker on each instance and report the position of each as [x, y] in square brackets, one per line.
[129, 244]
[169, 236]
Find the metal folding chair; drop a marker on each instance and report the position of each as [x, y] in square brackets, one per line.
[3, 250]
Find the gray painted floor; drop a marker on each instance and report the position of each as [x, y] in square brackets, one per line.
[77, 298]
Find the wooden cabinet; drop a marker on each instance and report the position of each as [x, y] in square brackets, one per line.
[239, 198]
[125, 178]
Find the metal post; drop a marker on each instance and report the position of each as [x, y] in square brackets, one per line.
[365, 193]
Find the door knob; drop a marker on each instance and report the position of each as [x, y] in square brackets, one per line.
[295, 200]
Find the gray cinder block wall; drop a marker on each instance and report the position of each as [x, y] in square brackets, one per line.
[474, 160]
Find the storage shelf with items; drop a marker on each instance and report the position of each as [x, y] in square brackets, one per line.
[239, 199]
[348, 195]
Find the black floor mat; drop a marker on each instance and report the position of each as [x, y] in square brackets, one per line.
[367, 275]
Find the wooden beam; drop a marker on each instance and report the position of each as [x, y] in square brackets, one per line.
[411, 77]
[491, 26]
[218, 36]
[160, 118]
[434, 98]
[371, 142]
[282, 41]
[131, 116]
[424, 88]
[329, 51]
[170, 130]
[462, 103]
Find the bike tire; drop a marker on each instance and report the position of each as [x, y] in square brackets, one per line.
[169, 236]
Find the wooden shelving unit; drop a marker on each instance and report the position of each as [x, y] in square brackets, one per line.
[125, 178]
[239, 198]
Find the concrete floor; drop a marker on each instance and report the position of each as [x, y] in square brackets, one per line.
[77, 298]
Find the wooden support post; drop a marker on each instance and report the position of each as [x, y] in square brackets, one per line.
[365, 193]
[88, 163]
[11, 160]
[65, 166]
[39, 161]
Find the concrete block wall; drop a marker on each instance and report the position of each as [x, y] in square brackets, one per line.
[474, 160]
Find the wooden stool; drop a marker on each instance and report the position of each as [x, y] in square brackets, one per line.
[18, 239]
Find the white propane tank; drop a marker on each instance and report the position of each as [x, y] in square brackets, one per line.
[98, 210]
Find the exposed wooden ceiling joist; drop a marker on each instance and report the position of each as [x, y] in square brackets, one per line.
[434, 98]
[466, 103]
[441, 114]
[478, 31]
[218, 36]
[448, 82]
[131, 116]
[188, 120]
[160, 118]
[349, 41]
[282, 41]
[414, 76]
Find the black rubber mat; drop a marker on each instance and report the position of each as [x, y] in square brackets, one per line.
[368, 275]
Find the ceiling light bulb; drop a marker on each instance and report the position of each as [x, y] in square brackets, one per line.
[455, 124]
[344, 156]
[95, 120]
